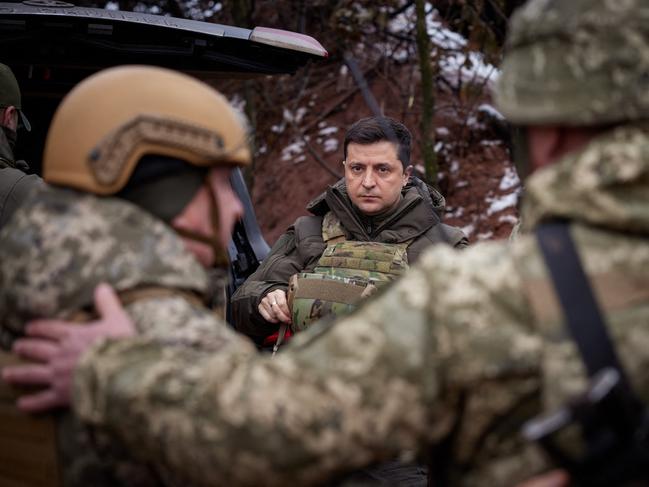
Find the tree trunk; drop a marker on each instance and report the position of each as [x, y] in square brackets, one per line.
[428, 96]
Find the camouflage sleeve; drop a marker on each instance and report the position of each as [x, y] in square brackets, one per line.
[173, 318]
[439, 354]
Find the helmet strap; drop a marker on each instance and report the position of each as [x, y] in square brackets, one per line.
[220, 253]
[521, 151]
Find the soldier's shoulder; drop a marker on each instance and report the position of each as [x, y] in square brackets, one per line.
[63, 243]
[175, 315]
[477, 259]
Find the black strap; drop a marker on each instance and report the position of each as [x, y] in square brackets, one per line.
[582, 314]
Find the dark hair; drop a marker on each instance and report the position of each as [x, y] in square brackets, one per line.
[377, 129]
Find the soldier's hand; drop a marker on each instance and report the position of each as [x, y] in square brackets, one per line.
[55, 348]
[274, 307]
[556, 478]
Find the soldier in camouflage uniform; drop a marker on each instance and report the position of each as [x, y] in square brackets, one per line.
[362, 232]
[15, 185]
[139, 197]
[462, 349]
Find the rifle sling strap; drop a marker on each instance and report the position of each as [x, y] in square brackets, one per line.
[583, 317]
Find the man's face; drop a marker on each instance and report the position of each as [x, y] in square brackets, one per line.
[196, 216]
[374, 176]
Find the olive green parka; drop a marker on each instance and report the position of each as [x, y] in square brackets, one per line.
[416, 218]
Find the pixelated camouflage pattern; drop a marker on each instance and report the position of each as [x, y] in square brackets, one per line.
[457, 351]
[61, 244]
[358, 264]
[554, 45]
[53, 253]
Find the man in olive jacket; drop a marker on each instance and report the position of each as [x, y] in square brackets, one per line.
[377, 201]
[14, 183]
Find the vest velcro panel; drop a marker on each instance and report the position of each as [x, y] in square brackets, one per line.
[312, 296]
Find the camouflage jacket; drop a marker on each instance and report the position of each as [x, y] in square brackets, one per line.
[416, 219]
[53, 253]
[14, 183]
[458, 353]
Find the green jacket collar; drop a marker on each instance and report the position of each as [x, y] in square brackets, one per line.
[418, 211]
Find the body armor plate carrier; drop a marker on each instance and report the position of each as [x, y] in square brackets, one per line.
[347, 272]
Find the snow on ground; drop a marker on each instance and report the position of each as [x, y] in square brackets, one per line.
[327, 130]
[456, 64]
[508, 219]
[473, 122]
[294, 117]
[293, 151]
[330, 145]
[468, 67]
[194, 11]
[491, 111]
[456, 213]
[510, 180]
[468, 229]
[484, 235]
[238, 102]
[499, 203]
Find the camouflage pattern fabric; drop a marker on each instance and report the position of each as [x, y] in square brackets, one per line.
[63, 244]
[371, 260]
[362, 266]
[332, 295]
[332, 228]
[460, 351]
[554, 45]
[53, 253]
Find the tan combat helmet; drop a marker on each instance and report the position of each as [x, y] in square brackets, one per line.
[576, 63]
[108, 122]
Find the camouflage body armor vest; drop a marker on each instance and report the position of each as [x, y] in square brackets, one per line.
[347, 272]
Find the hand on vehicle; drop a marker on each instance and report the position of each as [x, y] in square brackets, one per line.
[274, 307]
[555, 478]
[56, 346]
